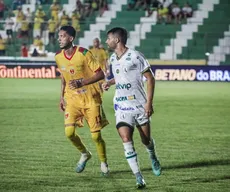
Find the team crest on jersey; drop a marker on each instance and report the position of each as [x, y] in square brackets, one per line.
[129, 54]
[72, 71]
[117, 71]
[66, 115]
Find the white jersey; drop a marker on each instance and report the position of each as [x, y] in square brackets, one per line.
[130, 96]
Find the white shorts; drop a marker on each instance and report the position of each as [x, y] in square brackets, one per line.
[131, 119]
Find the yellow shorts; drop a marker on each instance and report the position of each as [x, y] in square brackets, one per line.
[94, 116]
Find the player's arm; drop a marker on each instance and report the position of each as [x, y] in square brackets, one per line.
[77, 83]
[106, 85]
[106, 64]
[99, 75]
[150, 91]
[62, 101]
[94, 66]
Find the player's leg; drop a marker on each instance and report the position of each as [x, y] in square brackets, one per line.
[101, 151]
[145, 134]
[125, 128]
[96, 120]
[71, 116]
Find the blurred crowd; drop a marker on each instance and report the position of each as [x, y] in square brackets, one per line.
[168, 11]
[35, 23]
[24, 24]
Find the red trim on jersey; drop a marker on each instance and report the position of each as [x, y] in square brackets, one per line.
[81, 49]
[99, 69]
[69, 58]
[58, 52]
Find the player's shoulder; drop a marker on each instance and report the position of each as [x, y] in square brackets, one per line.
[58, 53]
[83, 50]
[134, 53]
[112, 57]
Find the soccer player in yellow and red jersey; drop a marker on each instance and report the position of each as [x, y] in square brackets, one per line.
[101, 55]
[80, 96]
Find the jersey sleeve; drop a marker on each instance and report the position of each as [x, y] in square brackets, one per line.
[142, 62]
[92, 62]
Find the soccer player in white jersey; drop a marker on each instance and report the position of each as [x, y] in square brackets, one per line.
[133, 107]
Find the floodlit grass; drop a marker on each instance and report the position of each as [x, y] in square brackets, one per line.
[191, 126]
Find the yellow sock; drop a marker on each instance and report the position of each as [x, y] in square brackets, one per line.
[75, 139]
[100, 145]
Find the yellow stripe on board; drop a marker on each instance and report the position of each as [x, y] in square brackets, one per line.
[177, 62]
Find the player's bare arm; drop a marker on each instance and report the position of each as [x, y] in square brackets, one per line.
[106, 85]
[77, 83]
[62, 101]
[150, 92]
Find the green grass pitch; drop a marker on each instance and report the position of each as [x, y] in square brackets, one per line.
[191, 126]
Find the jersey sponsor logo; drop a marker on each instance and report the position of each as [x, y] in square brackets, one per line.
[63, 68]
[133, 67]
[128, 59]
[116, 107]
[123, 86]
[125, 98]
[81, 91]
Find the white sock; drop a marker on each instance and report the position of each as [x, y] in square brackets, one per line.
[84, 157]
[151, 149]
[104, 167]
[131, 157]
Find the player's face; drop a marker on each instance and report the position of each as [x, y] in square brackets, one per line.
[111, 41]
[64, 39]
[96, 43]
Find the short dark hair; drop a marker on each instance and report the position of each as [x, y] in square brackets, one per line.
[69, 30]
[120, 32]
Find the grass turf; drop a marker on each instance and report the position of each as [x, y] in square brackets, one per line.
[191, 126]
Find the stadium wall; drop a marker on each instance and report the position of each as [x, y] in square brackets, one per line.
[13, 68]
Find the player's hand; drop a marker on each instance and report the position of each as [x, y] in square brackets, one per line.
[149, 109]
[105, 86]
[62, 104]
[107, 73]
[76, 83]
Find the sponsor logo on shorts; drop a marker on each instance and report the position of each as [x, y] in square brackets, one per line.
[118, 107]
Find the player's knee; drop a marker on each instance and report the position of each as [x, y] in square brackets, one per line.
[69, 131]
[96, 137]
[126, 139]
